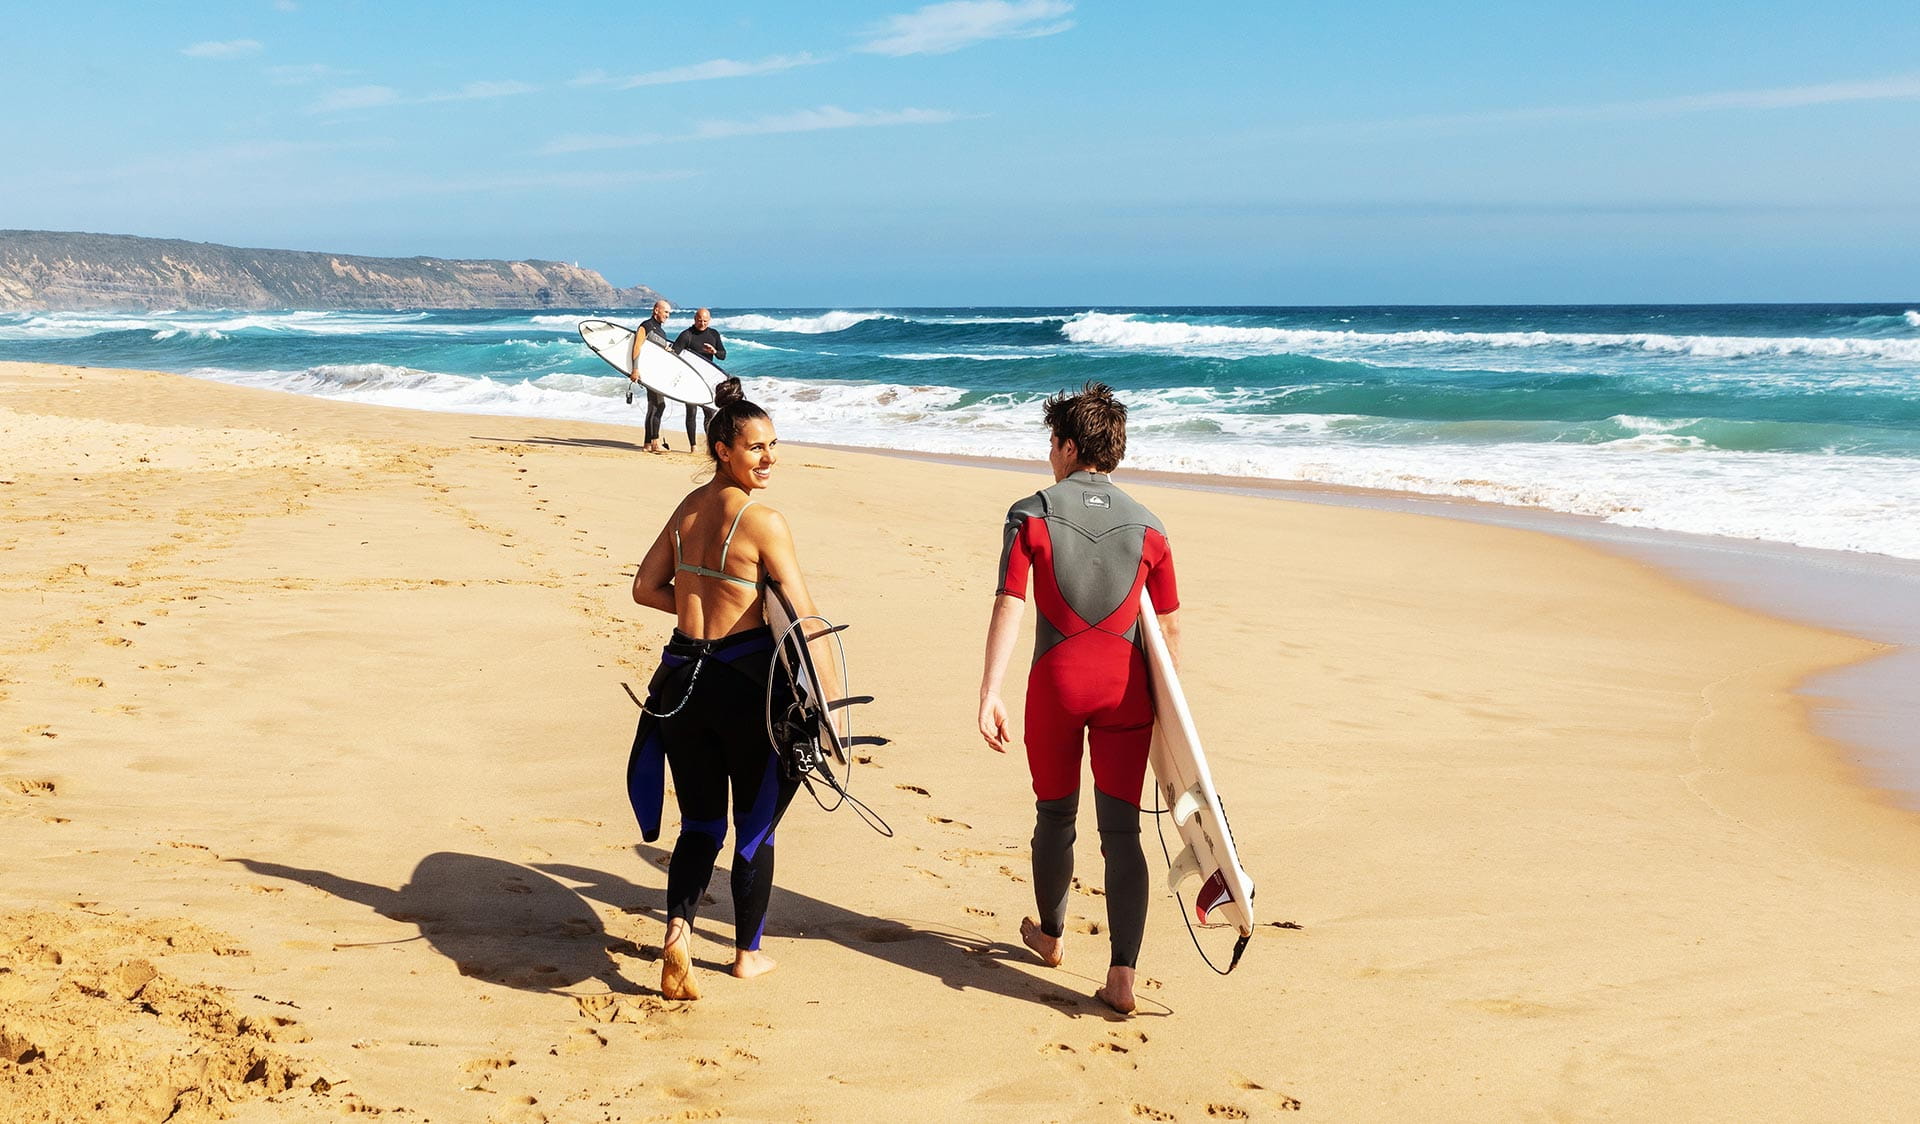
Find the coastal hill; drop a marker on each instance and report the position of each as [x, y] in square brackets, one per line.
[43, 269]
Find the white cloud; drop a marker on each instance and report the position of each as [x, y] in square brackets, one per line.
[715, 68]
[225, 49]
[1899, 88]
[363, 187]
[939, 28]
[474, 91]
[374, 97]
[356, 97]
[803, 121]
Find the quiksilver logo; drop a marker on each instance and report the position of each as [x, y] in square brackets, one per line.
[1098, 499]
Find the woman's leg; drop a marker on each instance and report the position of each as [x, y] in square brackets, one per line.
[700, 790]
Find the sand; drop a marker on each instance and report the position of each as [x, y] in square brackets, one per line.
[313, 724]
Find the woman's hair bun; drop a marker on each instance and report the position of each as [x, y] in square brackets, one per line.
[728, 392]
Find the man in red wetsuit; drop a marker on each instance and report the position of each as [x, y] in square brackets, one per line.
[1091, 548]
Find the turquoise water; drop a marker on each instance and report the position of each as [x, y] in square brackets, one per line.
[1789, 423]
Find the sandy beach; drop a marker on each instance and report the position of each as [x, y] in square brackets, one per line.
[313, 723]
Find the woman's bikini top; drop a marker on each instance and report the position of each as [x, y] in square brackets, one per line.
[726, 544]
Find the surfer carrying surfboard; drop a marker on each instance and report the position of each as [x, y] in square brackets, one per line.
[1090, 549]
[655, 326]
[703, 339]
[705, 716]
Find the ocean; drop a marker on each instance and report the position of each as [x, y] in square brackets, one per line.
[1794, 424]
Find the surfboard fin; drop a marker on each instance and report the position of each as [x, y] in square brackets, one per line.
[1188, 804]
[855, 700]
[1185, 864]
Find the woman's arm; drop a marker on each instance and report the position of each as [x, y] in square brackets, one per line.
[781, 562]
[653, 582]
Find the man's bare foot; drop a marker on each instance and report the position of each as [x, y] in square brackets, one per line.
[1050, 950]
[750, 963]
[651, 446]
[1118, 992]
[676, 967]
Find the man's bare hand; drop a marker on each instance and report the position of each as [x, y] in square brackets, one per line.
[993, 724]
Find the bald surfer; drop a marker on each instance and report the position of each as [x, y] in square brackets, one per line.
[656, 327]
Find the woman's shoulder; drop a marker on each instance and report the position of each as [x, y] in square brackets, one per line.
[761, 513]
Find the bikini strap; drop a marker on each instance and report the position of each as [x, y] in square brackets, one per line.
[726, 544]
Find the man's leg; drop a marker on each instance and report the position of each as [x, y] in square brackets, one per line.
[1053, 836]
[656, 410]
[1126, 875]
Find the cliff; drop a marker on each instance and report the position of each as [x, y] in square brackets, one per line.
[41, 269]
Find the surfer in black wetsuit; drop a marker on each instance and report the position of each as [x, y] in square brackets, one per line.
[704, 340]
[1091, 549]
[705, 714]
[656, 327]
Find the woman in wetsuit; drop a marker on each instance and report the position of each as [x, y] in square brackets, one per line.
[705, 713]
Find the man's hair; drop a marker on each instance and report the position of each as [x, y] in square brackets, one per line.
[1094, 420]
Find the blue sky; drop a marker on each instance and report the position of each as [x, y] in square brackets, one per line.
[1025, 151]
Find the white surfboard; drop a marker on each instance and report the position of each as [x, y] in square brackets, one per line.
[1225, 896]
[660, 370]
[708, 369]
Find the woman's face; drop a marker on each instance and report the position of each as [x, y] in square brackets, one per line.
[749, 458]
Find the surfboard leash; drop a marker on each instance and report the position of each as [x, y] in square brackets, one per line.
[801, 714]
[1239, 945]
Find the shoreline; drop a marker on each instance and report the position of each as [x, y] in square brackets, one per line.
[322, 711]
[1868, 705]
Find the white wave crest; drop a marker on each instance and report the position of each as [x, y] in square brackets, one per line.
[835, 321]
[926, 356]
[1123, 331]
[1642, 425]
[1911, 317]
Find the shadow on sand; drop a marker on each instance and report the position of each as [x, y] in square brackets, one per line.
[570, 442]
[526, 928]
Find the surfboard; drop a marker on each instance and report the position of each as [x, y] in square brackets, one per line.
[708, 368]
[793, 659]
[660, 370]
[1225, 896]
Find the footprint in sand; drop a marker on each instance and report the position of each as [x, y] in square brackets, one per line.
[913, 788]
[488, 1065]
[978, 912]
[34, 787]
[946, 822]
[1226, 1111]
[1148, 1112]
[580, 1040]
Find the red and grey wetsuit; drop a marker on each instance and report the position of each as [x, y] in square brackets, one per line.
[1091, 549]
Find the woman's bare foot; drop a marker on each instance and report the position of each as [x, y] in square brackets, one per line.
[1050, 950]
[676, 967]
[750, 963]
[1118, 993]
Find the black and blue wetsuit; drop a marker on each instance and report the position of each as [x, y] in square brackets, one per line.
[705, 716]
